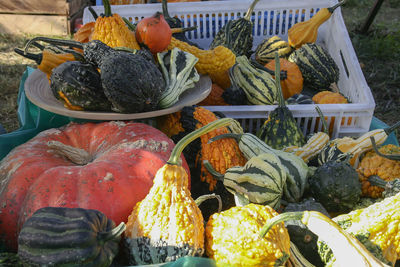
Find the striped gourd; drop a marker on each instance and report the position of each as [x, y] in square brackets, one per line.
[314, 144]
[266, 50]
[258, 85]
[179, 74]
[299, 99]
[319, 70]
[312, 148]
[355, 147]
[296, 169]
[237, 35]
[261, 180]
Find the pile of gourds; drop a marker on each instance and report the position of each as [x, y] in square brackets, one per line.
[127, 193]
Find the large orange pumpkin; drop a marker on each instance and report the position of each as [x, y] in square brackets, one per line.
[111, 167]
[293, 84]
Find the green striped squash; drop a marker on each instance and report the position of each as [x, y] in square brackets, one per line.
[258, 85]
[266, 50]
[261, 180]
[237, 35]
[179, 74]
[58, 236]
[297, 171]
[319, 70]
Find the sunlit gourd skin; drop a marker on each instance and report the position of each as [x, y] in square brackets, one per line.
[373, 164]
[167, 224]
[232, 238]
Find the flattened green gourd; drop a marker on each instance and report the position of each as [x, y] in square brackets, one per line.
[179, 74]
[261, 180]
[237, 35]
[320, 72]
[57, 236]
[78, 86]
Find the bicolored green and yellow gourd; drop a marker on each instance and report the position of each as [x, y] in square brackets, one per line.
[341, 243]
[280, 129]
[237, 35]
[266, 50]
[167, 224]
[320, 72]
[179, 74]
[258, 85]
[261, 180]
[232, 238]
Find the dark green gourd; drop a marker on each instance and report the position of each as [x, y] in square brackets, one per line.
[304, 239]
[57, 236]
[336, 185]
[78, 84]
[237, 35]
[280, 130]
[320, 72]
[131, 82]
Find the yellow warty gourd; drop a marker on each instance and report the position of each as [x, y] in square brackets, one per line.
[307, 31]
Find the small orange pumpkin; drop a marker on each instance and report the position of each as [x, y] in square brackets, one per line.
[293, 84]
[330, 97]
[154, 32]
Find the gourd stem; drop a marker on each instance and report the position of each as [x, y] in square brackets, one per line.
[94, 14]
[130, 25]
[113, 234]
[36, 57]
[107, 8]
[377, 181]
[52, 41]
[174, 159]
[332, 8]
[227, 135]
[203, 198]
[387, 156]
[181, 30]
[250, 10]
[390, 129]
[321, 116]
[278, 80]
[165, 9]
[211, 170]
[296, 215]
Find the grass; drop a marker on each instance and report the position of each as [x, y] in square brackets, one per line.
[378, 53]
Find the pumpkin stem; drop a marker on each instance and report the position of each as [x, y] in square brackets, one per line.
[250, 10]
[227, 135]
[113, 234]
[203, 198]
[76, 155]
[278, 80]
[107, 8]
[174, 159]
[211, 170]
[332, 8]
[321, 116]
[295, 215]
[387, 156]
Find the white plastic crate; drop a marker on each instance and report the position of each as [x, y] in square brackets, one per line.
[275, 17]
